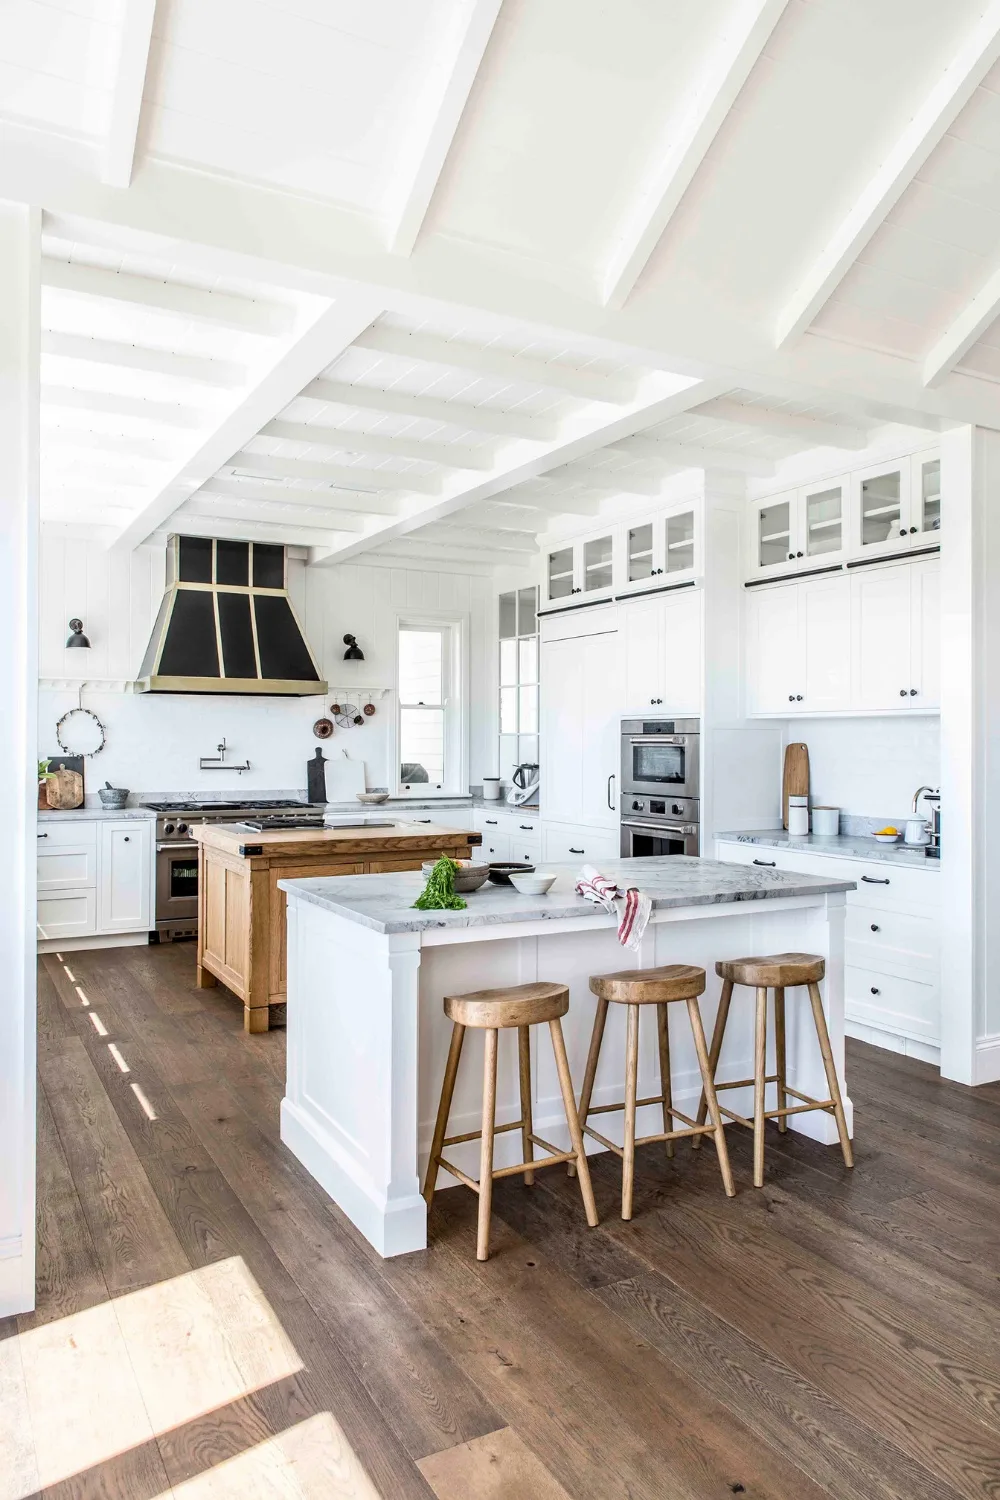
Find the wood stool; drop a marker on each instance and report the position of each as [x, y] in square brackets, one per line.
[493, 1011]
[660, 987]
[779, 972]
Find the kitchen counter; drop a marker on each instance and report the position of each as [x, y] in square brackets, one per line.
[838, 846]
[368, 1038]
[241, 902]
[93, 814]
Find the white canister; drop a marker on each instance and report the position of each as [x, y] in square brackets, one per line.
[491, 788]
[916, 831]
[798, 817]
[826, 821]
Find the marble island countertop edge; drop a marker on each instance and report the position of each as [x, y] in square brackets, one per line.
[835, 846]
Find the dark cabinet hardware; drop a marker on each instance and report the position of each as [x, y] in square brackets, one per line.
[798, 554]
[791, 557]
[126, 838]
[526, 827]
[873, 880]
[913, 692]
[876, 990]
[576, 851]
[43, 835]
[902, 692]
[492, 822]
[798, 697]
[913, 530]
[902, 531]
[611, 805]
[771, 863]
[791, 697]
[875, 927]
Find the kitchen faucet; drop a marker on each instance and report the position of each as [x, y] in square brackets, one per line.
[920, 792]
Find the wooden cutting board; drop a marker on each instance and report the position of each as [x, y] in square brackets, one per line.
[795, 780]
[63, 787]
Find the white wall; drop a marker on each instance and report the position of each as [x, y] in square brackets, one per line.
[869, 767]
[154, 741]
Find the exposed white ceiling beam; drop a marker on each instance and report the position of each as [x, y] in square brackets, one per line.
[527, 518]
[54, 436]
[297, 360]
[349, 500]
[692, 456]
[188, 367]
[551, 498]
[323, 517]
[661, 397]
[482, 536]
[426, 553]
[926, 127]
[607, 481]
[79, 398]
[250, 531]
[345, 474]
[451, 455]
[687, 140]
[429, 137]
[271, 319]
[458, 413]
[810, 431]
[497, 364]
[136, 20]
[965, 331]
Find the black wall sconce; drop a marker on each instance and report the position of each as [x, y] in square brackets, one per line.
[354, 651]
[77, 637]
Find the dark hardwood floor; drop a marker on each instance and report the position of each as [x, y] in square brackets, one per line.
[836, 1334]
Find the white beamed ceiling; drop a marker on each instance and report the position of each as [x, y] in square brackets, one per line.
[445, 235]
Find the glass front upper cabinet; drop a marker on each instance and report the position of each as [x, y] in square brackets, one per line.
[775, 534]
[680, 551]
[640, 564]
[882, 506]
[560, 574]
[925, 509]
[824, 519]
[598, 559]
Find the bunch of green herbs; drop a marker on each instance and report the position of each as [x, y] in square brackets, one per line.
[439, 892]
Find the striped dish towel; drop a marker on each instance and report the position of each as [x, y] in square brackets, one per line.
[632, 907]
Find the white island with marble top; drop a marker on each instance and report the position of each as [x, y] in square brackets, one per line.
[368, 1040]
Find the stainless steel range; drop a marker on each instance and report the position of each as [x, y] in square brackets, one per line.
[177, 852]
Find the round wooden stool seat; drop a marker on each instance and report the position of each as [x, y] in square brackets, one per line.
[776, 971]
[650, 986]
[513, 1005]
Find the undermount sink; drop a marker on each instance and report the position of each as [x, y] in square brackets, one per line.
[360, 823]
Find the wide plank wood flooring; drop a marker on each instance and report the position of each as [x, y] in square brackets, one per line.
[209, 1326]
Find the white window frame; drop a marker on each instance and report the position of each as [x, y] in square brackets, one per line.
[455, 629]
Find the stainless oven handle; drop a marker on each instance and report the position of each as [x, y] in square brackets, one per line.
[660, 739]
[177, 848]
[684, 831]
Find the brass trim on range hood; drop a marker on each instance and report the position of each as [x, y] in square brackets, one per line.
[260, 687]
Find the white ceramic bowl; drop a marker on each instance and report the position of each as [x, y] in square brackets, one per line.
[533, 883]
[372, 796]
[886, 838]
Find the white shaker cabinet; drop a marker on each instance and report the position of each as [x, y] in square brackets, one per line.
[896, 638]
[124, 896]
[773, 666]
[662, 647]
[824, 630]
[580, 728]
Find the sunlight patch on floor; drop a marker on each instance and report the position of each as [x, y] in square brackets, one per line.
[100, 1382]
[310, 1461]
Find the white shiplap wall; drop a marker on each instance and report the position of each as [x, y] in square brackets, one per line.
[154, 742]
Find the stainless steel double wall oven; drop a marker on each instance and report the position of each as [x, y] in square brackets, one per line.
[660, 787]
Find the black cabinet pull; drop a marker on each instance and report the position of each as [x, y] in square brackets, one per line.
[913, 692]
[902, 531]
[876, 990]
[798, 554]
[902, 692]
[526, 827]
[873, 880]
[798, 697]
[914, 530]
[492, 822]
[771, 863]
[43, 835]
[875, 927]
[791, 557]
[791, 697]
[576, 851]
[126, 838]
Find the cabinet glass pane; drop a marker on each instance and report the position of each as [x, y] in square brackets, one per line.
[527, 749]
[508, 615]
[508, 663]
[930, 495]
[560, 574]
[774, 533]
[881, 508]
[508, 710]
[640, 553]
[527, 660]
[527, 609]
[680, 542]
[824, 521]
[528, 711]
[597, 564]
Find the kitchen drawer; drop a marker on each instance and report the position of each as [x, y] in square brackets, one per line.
[66, 914]
[495, 848]
[52, 834]
[893, 1002]
[527, 851]
[565, 845]
[500, 820]
[877, 884]
[67, 867]
[886, 937]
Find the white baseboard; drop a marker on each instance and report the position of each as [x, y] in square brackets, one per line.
[988, 1059]
[102, 940]
[891, 1041]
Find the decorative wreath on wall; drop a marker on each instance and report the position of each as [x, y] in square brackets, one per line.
[66, 749]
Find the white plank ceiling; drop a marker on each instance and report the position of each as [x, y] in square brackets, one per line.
[426, 275]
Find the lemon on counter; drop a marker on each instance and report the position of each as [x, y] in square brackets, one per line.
[888, 829]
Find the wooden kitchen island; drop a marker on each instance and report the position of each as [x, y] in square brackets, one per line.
[241, 911]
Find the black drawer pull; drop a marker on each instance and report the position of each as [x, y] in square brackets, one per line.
[876, 990]
[43, 835]
[576, 851]
[126, 839]
[526, 827]
[876, 927]
[874, 880]
[492, 822]
[771, 863]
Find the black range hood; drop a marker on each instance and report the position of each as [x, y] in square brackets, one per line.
[227, 625]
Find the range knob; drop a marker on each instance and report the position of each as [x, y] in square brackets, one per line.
[182, 828]
[677, 811]
[637, 807]
[168, 829]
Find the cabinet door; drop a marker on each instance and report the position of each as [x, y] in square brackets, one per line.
[66, 914]
[643, 561]
[596, 565]
[881, 509]
[561, 754]
[775, 534]
[774, 650]
[824, 520]
[925, 635]
[124, 893]
[825, 633]
[925, 499]
[599, 729]
[642, 645]
[682, 665]
[880, 632]
[495, 848]
[560, 576]
[680, 554]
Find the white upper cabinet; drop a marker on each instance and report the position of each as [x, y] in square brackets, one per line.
[823, 521]
[662, 649]
[881, 509]
[925, 499]
[824, 625]
[925, 634]
[774, 668]
[650, 552]
[641, 629]
[881, 637]
[774, 534]
[582, 571]
[801, 529]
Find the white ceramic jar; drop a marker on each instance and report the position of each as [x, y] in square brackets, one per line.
[798, 817]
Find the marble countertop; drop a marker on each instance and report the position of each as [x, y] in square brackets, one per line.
[93, 814]
[384, 903]
[842, 846]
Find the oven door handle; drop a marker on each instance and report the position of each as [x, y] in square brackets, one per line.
[177, 848]
[659, 739]
[681, 830]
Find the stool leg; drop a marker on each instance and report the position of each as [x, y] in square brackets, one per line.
[590, 1072]
[524, 1070]
[759, 1086]
[711, 1102]
[573, 1120]
[444, 1109]
[831, 1073]
[715, 1052]
[779, 1053]
[663, 1037]
[486, 1153]
[631, 1090]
